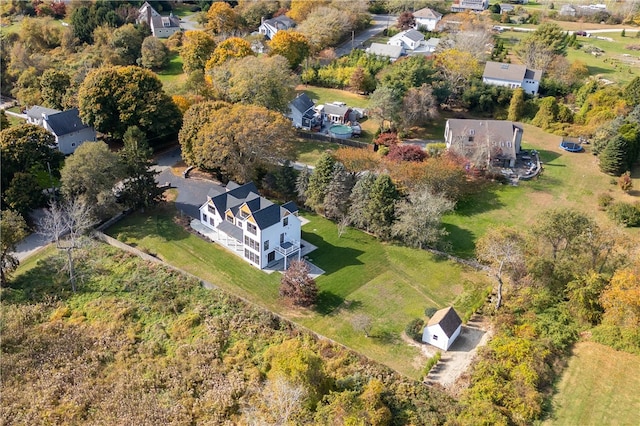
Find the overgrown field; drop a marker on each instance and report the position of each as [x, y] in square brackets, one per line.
[391, 285]
[600, 386]
[141, 344]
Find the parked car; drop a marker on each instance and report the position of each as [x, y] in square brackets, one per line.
[582, 33]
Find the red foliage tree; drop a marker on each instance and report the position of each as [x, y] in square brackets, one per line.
[387, 139]
[406, 21]
[406, 153]
[297, 286]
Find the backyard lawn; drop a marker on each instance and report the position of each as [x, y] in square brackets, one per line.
[391, 285]
[172, 76]
[308, 152]
[323, 95]
[600, 386]
[570, 180]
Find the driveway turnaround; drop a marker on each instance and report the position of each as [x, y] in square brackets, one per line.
[192, 193]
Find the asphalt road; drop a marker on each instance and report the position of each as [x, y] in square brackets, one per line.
[379, 24]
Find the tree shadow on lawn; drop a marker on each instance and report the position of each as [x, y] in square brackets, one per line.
[462, 242]
[480, 202]
[548, 156]
[327, 302]
[158, 222]
[329, 257]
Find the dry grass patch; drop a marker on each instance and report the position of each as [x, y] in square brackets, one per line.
[600, 386]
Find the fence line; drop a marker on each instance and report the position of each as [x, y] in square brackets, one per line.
[330, 139]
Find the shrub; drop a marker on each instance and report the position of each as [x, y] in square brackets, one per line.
[387, 139]
[432, 362]
[624, 182]
[624, 214]
[604, 201]
[414, 329]
[429, 311]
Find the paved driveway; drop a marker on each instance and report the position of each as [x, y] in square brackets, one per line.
[192, 193]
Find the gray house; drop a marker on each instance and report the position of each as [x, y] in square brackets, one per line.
[36, 114]
[487, 141]
[161, 26]
[303, 113]
[269, 27]
[69, 130]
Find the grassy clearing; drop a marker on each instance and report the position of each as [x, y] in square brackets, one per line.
[389, 284]
[599, 387]
[308, 152]
[323, 95]
[570, 180]
[172, 76]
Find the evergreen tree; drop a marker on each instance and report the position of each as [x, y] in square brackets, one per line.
[140, 189]
[632, 91]
[547, 113]
[381, 207]
[302, 184]
[360, 197]
[336, 200]
[319, 182]
[516, 107]
[613, 159]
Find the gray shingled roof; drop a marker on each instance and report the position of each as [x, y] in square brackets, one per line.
[302, 103]
[379, 49]
[65, 122]
[37, 111]
[510, 72]
[427, 14]
[230, 229]
[281, 22]
[414, 35]
[448, 320]
[290, 206]
[336, 109]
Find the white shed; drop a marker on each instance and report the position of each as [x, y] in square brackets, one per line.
[442, 329]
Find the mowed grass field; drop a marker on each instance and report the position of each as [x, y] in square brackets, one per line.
[599, 387]
[571, 180]
[389, 284]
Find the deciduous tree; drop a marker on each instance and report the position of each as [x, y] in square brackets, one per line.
[127, 44]
[297, 285]
[195, 118]
[54, 85]
[237, 140]
[385, 104]
[324, 27]
[89, 176]
[197, 47]
[405, 21]
[112, 99]
[233, 47]
[621, 299]
[13, 229]
[222, 19]
[418, 106]
[516, 107]
[457, 68]
[300, 9]
[154, 54]
[292, 45]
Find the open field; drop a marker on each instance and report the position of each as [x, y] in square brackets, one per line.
[389, 284]
[570, 180]
[600, 386]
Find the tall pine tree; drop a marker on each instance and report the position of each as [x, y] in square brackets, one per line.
[319, 182]
[360, 197]
[381, 208]
[336, 200]
[140, 189]
[516, 107]
[613, 158]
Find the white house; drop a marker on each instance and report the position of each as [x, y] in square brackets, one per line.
[472, 5]
[442, 329]
[269, 27]
[407, 40]
[427, 18]
[69, 130]
[263, 232]
[161, 26]
[36, 114]
[512, 76]
[495, 141]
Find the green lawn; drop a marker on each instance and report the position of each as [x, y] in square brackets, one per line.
[389, 284]
[172, 76]
[323, 95]
[308, 152]
[600, 386]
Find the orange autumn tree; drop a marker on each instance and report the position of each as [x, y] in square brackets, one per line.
[357, 159]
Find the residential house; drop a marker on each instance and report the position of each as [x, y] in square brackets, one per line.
[567, 10]
[161, 26]
[408, 40]
[69, 130]
[442, 329]
[269, 27]
[263, 232]
[36, 114]
[496, 141]
[303, 114]
[427, 18]
[379, 49]
[431, 45]
[506, 8]
[336, 112]
[472, 5]
[512, 76]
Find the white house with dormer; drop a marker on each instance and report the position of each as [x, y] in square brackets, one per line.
[442, 329]
[269, 27]
[427, 18]
[512, 76]
[261, 231]
[408, 40]
[161, 26]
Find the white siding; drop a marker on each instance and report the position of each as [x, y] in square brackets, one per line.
[434, 335]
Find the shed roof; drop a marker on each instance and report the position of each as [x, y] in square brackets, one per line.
[448, 320]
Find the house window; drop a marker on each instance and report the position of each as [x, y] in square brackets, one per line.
[211, 220]
[252, 257]
[470, 138]
[230, 218]
[285, 221]
[251, 228]
[211, 209]
[435, 337]
[253, 244]
[266, 245]
[281, 238]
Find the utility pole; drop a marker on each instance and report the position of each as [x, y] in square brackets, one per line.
[353, 34]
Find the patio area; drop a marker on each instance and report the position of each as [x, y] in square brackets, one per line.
[238, 249]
